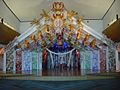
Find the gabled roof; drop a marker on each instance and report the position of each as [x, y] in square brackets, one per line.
[58, 20]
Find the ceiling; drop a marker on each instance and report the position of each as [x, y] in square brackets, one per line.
[27, 10]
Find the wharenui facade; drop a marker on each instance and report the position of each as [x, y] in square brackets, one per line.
[59, 39]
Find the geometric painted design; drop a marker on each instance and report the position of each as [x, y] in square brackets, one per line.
[95, 61]
[10, 60]
[85, 58]
[27, 61]
[103, 60]
[34, 60]
[112, 61]
[1, 62]
[82, 60]
[18, 60]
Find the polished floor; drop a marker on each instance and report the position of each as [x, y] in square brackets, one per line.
[52, 73]
[60, 80]
[59, 75]
[100, 84]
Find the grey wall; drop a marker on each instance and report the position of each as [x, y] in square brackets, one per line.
[24, 26]
[8, 16]
[96, 25]
[111, 15]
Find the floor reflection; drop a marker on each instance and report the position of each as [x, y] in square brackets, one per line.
[55, 72]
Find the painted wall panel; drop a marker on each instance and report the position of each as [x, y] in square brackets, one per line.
[95, 61]
[102, 60]
[27, 63]
[34, 60]
[18, 60]
[10, 60]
